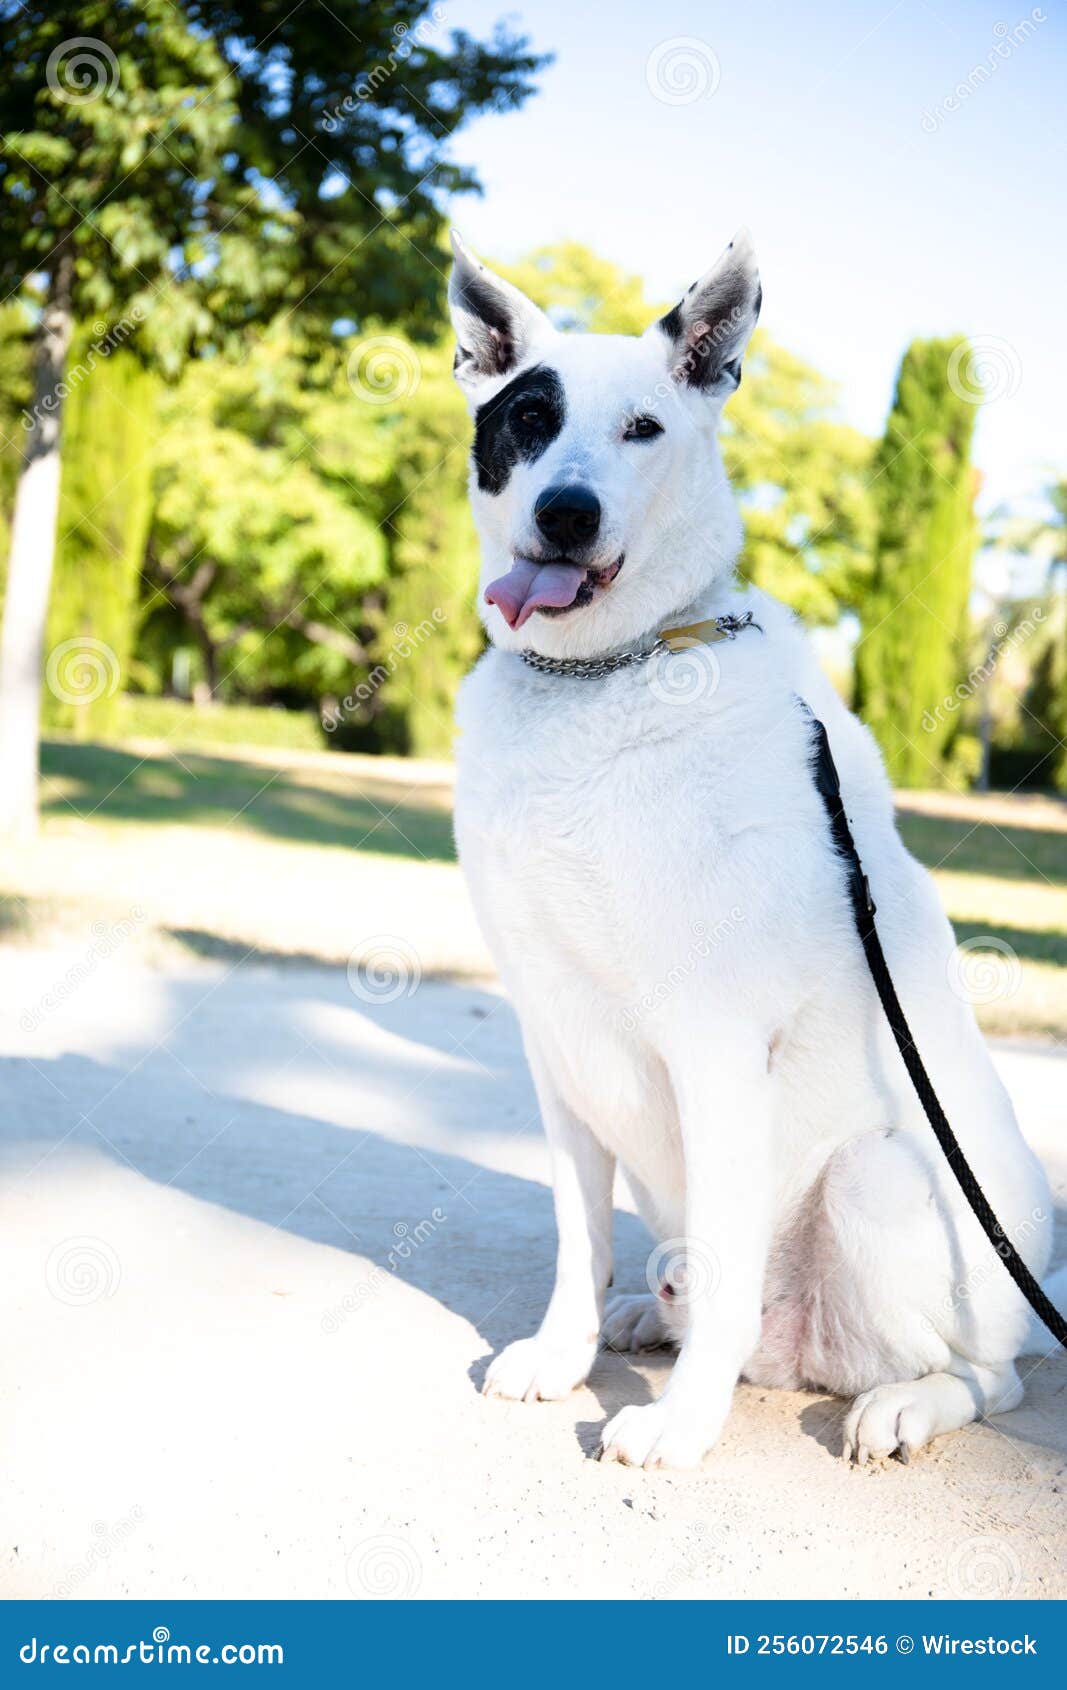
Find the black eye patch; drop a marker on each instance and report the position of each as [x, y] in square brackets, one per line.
[517, 425]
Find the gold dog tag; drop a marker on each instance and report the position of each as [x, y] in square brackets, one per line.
[706, 633]
[696, 633]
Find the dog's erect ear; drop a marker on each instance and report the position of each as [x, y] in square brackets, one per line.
[495, 323]
[708, 330]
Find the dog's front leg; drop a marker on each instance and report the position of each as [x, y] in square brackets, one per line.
[723, 1095]
[559, 1357]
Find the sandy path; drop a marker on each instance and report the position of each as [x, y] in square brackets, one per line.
[258, 1237]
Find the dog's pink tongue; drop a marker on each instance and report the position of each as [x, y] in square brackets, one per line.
[529, 586]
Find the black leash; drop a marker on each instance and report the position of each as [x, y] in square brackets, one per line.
[863, 909]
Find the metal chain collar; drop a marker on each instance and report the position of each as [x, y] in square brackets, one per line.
[593, 668]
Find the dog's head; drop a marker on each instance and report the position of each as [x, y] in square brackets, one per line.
[596, 481]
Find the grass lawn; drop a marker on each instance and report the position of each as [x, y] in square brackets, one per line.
[283, 851]
[1000, 863]
[315, 798]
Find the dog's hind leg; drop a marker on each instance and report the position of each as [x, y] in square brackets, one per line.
[906, 1307]
[634, 1323]
[897, 1419]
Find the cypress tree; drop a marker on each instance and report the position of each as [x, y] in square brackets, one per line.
[104, 507]
[911, 651]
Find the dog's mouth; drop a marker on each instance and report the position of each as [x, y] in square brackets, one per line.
[553, 586]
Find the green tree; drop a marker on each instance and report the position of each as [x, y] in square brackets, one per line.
[104, 503]
[1045, 700]
[1038, 748]
[92, 208]
[914, 632]
[185, 173]
[311, 531]
[15, 389]
[264, 536]
[802, 477]
[426, 634]
[582, 291]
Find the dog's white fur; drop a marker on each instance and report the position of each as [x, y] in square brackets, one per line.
[651, 864]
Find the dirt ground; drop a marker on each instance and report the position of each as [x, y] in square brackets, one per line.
[261, 1232]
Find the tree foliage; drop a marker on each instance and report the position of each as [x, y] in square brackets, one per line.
[802, 477]
[914, 634]
[580, 290]
[264, 536]
[16, 386]
[1034, 733]
[104, 504]
[427, 634]
[211, 164]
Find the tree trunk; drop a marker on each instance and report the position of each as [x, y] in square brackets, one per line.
[29, 576]
[189, 599]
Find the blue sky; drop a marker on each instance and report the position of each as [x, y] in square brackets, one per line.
[878, 212]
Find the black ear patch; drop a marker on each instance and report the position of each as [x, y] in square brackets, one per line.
[496, 351]
[517, 425]
[705, 329]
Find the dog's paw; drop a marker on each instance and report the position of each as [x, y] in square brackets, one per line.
[890, 1420]
[535, 1370]
[634, 1323]
[656, 1435]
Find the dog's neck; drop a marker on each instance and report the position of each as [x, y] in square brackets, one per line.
[712, 602]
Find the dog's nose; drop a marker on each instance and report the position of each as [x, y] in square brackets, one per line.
[567, 516]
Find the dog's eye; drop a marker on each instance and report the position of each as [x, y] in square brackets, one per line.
[532, 416]
[642, 428]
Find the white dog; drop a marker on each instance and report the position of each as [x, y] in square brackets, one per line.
[653, 869]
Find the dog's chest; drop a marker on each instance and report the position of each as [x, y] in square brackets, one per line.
[587, 816]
